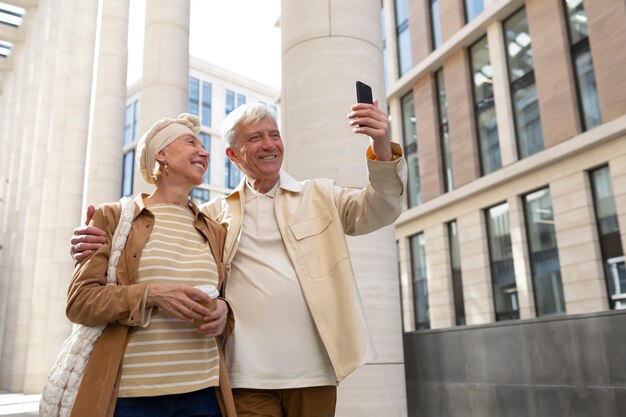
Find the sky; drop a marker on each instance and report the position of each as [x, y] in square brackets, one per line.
[239, 35]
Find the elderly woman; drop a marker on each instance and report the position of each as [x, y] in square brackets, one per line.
[151, 359]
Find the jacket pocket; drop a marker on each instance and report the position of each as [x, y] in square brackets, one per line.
[320, 243]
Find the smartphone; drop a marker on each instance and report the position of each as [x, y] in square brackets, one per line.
[363, 93]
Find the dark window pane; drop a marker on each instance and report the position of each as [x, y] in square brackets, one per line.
[420, 284]
[457, 277]
[411, 151]
[527, 121]
[404, 52]
[577, 20]
[206, 141]
[588, 91]
[610, 236]
[518, 48]
[233, 175]
[444, 136]
[435, 23]
[543, 252]
[128, 166]
[484, 110]
[501, 261]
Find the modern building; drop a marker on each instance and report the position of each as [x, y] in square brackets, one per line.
[511, 248]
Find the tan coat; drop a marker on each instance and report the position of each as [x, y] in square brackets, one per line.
[91, 302]
[313, 217]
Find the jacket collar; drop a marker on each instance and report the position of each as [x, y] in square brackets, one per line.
[286, 182]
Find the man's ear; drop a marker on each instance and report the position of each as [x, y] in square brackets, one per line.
[231, 155]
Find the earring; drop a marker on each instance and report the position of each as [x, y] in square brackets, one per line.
[165, 168]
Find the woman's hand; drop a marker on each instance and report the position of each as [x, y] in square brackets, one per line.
[178, 300]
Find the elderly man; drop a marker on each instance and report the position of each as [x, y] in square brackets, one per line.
[300, 325]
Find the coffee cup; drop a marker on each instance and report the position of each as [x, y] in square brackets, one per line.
[212, 292]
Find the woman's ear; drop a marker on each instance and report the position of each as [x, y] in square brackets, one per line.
[160, 156]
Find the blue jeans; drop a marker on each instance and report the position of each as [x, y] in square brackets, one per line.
[202, 403]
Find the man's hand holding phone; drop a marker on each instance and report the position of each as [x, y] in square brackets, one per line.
[366, 118]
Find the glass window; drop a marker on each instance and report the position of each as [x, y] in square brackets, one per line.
[457, 277]
[420, 284]
[484, 107]
[610, 236]
[130, 123]
[194, 96]
[128, 166]
[435, 23]
[444, 136]
[403, 34]
[230, 101]
[206, 104]
[473, 8]
[501, 262]
[206, 141]
[233, 175]
[522, 84]
[410, 149]
[544, 254]
[583, 66]
[241, 99]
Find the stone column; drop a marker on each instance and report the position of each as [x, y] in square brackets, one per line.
[582, 276]
[62, 189]
[326, 47]
[105, 152]
[477, 288]
[165, 79]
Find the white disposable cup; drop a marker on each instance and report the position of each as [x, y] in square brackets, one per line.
[212, 292]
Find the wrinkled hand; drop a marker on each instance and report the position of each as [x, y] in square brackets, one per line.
[215, 323]
[369, 120]
[178, 300]
[86, 239]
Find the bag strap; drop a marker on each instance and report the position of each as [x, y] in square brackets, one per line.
[119, 237]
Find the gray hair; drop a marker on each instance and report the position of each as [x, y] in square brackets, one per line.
[244, 114]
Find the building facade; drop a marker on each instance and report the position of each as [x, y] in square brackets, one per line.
[511, 248]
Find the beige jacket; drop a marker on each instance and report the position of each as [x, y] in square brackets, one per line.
[313, 217]
[91, 302]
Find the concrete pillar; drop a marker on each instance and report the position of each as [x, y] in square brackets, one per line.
[63, 188]
[439, 275]
[607, 36]
[20, 154]
[326, 47]
[521, 264]
[105, 153]
[477, 288]
[582, 276]
[556, 88]
[165, 79]
[501, 94]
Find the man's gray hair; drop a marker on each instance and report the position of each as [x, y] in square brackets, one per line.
[244, 114]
